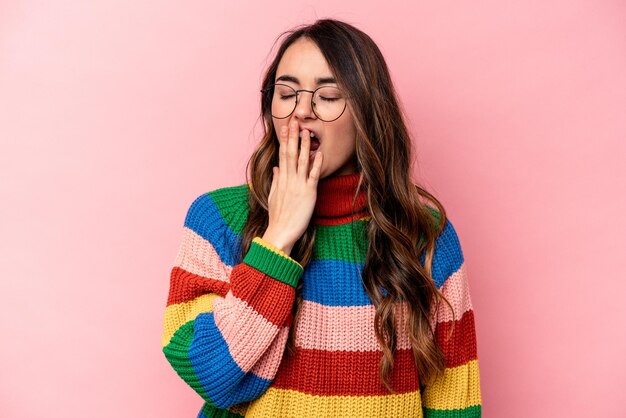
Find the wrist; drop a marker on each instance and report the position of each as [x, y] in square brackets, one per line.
[278, 242]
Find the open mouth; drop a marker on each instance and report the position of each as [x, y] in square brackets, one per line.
[314, 144]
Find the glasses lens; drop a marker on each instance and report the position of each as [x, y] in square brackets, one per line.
[328, 102]
[283, 101]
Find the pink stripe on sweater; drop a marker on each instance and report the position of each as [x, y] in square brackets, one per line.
[351, 328]
[267, 366]
[342, 328]
[456, 290]
[198, 256]
[247, 333]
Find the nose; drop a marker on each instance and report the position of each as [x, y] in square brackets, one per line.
[304, 108]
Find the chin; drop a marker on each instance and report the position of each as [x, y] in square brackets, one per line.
[323, 174]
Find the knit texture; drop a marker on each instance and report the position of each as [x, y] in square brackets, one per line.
[226, 322]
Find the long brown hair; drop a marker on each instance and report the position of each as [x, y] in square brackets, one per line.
[402, 224]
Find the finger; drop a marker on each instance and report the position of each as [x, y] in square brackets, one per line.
[292, 148]
[314, 175]
[303, 159]
[282, 154]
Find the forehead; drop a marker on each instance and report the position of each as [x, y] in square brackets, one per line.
[303, 60]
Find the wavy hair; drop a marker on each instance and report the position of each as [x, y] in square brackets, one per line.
[402, 224]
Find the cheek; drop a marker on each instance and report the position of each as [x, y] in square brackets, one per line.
[348, 133]
[343, 142]
[277, 129]
[341, 149]
[346, 128]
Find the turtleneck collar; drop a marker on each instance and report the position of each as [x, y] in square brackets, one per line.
[334, 200]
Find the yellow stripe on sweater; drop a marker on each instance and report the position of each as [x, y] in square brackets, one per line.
[296, 404]
[458, 388]
[178, 314]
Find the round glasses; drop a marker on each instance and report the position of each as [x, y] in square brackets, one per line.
[328, 102]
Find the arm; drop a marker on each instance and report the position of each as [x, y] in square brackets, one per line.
[225, 327]
[457, 392]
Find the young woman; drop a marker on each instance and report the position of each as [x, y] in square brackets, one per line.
[325, 286]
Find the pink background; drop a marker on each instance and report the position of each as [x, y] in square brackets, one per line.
[115, 115]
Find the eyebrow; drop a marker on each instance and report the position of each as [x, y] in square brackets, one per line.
[318, 81]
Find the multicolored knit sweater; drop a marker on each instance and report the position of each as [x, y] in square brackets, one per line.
[226, 321]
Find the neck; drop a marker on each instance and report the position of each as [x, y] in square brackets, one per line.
[334, 200]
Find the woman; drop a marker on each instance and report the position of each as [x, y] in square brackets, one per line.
[325, 286]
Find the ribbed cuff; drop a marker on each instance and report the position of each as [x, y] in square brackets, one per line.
[274, 262]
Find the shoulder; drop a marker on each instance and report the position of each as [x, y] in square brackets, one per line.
[228, 204]
[448, 255]
[218, 216]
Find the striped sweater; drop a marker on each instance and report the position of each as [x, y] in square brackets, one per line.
[228, 316]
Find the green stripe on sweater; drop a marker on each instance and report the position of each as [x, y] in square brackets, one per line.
[177, 353]
[471, 412]
[273, 264]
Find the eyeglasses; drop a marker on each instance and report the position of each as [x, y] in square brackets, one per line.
[328, 102]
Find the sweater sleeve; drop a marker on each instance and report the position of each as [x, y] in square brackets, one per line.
[225, 327]
[456, 393]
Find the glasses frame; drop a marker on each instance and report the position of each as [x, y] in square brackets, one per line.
[271, 88]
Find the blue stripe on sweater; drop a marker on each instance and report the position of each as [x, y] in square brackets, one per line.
[448, 255]
[221, 378]
[343, 287]
[205, 219]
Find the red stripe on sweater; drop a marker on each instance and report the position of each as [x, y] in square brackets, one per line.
[185, 286]
[344, 373]
[461, 346]
[268, 296]
[271, 298]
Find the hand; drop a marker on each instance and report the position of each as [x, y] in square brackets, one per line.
[293, 192]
